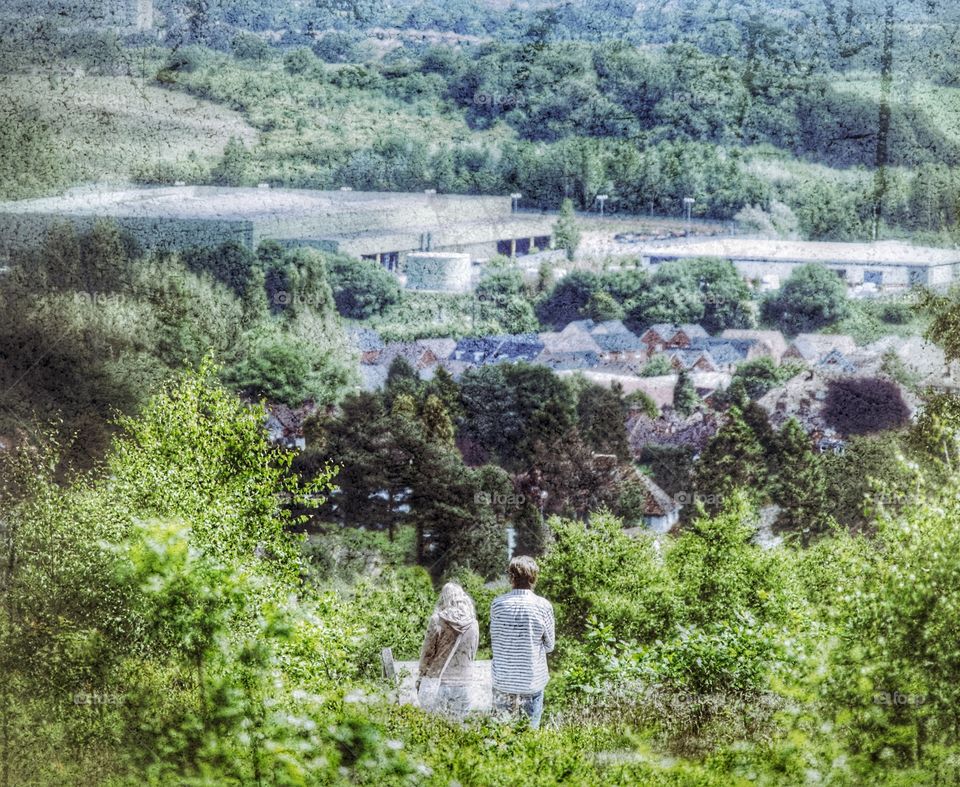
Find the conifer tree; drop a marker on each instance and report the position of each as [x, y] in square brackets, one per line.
[799, 487]
[566, 233]
[733, 459]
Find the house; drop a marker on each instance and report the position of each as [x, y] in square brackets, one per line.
[769, 343]
[474, 350]
[571, 348]
[830, 445]
[516, 348]
[664, 336]
[368, 342]
[692, 360]
[922, 359]
[670, 429]
[617, 342]
[811, 347]
[498, 349]
[284, 424]
[726, 354]
[421, 355]
[837, 363]
[660, 511]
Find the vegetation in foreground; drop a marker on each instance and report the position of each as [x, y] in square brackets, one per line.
[161, 623]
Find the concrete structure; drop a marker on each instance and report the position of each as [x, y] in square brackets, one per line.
[438, 271]
[124, 16]
[886, 264]
[381, 226]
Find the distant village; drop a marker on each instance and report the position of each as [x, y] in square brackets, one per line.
[608, 353]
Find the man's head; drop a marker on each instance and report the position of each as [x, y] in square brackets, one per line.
[523, 572]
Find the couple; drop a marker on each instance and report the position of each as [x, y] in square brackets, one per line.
[521, 636]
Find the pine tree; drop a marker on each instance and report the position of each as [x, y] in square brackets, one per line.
[733, 459]
[254, 302]
[685, 399]
[437, 426]
[799, 487]
[566, 233]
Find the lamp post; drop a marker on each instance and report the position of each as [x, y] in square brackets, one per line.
[688, 204]
[601, 198]
[515, 201]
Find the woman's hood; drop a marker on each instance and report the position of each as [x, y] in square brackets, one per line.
[458, 619]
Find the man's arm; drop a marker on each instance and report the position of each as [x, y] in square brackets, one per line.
[549, 633]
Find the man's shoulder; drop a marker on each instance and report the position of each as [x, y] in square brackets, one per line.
[523, 598]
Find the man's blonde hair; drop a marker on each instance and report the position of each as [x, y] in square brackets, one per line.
[523, 572]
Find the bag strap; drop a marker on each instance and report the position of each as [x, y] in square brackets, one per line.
[447, 662]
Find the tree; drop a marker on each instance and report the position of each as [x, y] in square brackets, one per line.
[231, 170]
[602, 307]
[361, 288]
[812, 298]
[799, 486]
[230, 263]
[601, 414]
[566, 233]
[437, 426]
[944, 313]
[860, 405]
[733, 459]
[568, 298]
[685, 399]
[759, 375]
[299, 60]
[657, 366]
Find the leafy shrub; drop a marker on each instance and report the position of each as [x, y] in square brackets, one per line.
[857, 406]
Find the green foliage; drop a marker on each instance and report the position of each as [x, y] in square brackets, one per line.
[733, 459]
[799, 485]
[361, 288]
[593, 571]
[230, 263]
[215, 470]
[709, 292]
[566, 234]
[657, 366]
[721, 574]
[812, 298]
[760, 375]
[685, 398]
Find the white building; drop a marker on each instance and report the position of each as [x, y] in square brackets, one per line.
[885, 264]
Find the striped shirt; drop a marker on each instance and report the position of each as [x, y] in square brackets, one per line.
[521, 635]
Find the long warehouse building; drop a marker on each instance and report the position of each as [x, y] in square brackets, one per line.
[382, 226]
[885, 264]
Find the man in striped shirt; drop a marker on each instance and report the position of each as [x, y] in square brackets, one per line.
[521, 635]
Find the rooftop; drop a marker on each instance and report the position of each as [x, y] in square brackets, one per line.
[358, 221]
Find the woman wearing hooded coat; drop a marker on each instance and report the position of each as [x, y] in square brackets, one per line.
[449, 648]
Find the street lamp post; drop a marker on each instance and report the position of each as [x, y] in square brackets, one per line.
[515, 201]
[601, 198]
[688, 204]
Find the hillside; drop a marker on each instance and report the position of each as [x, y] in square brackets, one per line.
[106, 128]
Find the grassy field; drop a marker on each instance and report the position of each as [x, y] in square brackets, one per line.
[107, 127]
